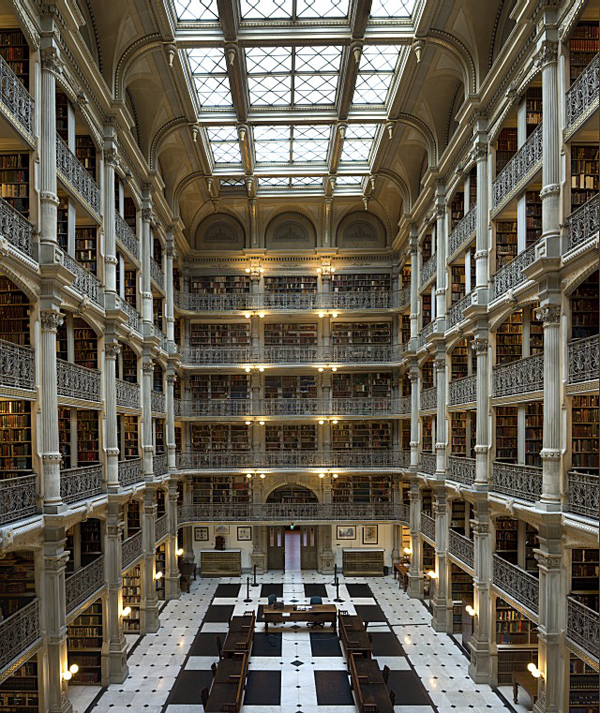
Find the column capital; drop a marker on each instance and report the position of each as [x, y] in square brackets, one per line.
[51, 61]
[51, 320]
[548, 53]
[548, 314]
[480, 151]
[147, 215]
[56, 563]
[111, 157]
[548, 561]
[148, 366]
[440, 364]
[112, 350]
[480, 346]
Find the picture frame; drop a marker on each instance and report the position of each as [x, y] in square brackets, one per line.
[201, 534]
[221, 529]
[345, 532]
[370, 534]
[244, 534]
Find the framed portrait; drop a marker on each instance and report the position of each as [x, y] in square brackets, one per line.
[244, 534]
[369, 535]
[222, 530]
[201, 534]
[346, 532]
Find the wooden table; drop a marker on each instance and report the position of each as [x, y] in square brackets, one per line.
[372, 695]
[225, 696]
[527, 682]
[315, 614]
[401, 573]
[357, 642]
[230, 669]
[237, 642]
[242, 623]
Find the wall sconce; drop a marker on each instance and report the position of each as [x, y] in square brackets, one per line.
[321, 315]
[321, 369]
[126, 611]
[470, 611]
[179, 551]
[321, 475]
[431, 574]
[335, 421]
[534, 670]
[335, 475]
[321, 421]
[407, 551]
[261, 315]
[66, 675]
[262, 476]
[158, 575]
[262, 423]
[247, 315]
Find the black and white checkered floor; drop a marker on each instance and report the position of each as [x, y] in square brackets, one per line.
[293, 668]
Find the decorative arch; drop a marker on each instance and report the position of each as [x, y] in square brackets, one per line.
[414, 122]
[89, 32]
[571, 283]
[168, 128]
[300, 481]
[289, 231]
[402, 186]
[460, 52]
[508, 309]
[25, 285]
[139, 48]
[360, 229]
[180, 188]
[219, 231]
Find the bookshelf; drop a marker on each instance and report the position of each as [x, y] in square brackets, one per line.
[405, 434]
[132, 596]
[369, 385]
[514, 660]
[536, 332]
[17, 582]
[406, 273]
[472, 187]
[19, 692]
[427, 248]
[130, 435]
[533, 109]
[130, 213]
[288, 284]
[506, 434]
[219, 335]
[583, 47]
[220, 489]
[87, 437]
[362, 489]
[533, 218]
[294, 437]
[157, 379]
[15, 439]
[86, 247]
[64, 435]
[219, 386]
[161, 503]
[509, 339]
[15, 313]
[507, 538]
[585, 311]
[90, 533]
[356, 333]
[462, 594]
[534, 426]
[405, 328]
[220, 284]
[512, 627]
[159, 436]
[584, 174]
[428, 557]
[130, 286]
[160, 564]
[459, 433]
[427, 374]
[85, 343]
[506, 242]
[62, 116]
[341, 282]
[290, 387]
[584, 684]
[176, 278]
[585, 568]
[457, 209]
[129, 364]
[133, 518]
[85, 150]
[357, 435]
[14, 180]
[157, 310]
[427, 434]
[62, 223]
[219, 437]
[425, 309]
[362, 562]
[585, 434]
[458, 287]
[531, 544]
[279, 334]
[405, 385]
[459, 360]
[460, 515]
[62, 343]
[84, 645]
[15, 51]
[157, 251]
[506, 147]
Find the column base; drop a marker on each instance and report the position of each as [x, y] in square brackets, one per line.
[149, 619]
[260, 560]
[480, 665]
[172, 589]
[118, 670]
[441, 617]
[415, 586]
[326, 562]
[65, 706]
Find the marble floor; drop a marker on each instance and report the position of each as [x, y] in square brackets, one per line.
[295, 669]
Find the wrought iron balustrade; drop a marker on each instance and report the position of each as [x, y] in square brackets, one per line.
[425, 332]
[461, 547]
[128, 394]
[161, 336]
[15, 228]
[133, 316]
[131, 549]
[404, 405]
[16, 100]
[518, 481]
[511, 275]
[583, 494]
[80, 483]
[361, 353]
[291, 300]
[518, 171]
[127, 237]
[18, 498]
[521, 586]
[584, 360]
[584, 223]
[200, 302]
[582, 97]
[158, 401]
[359, 406]
[429, 398]
[519, 377]
[71, 171]
[428, 270]
[463, 391]
[130, 471]
[192, 460]
[77, 382]
[428, 463]
[428, 526]
[157, 274]
[402, 298]
[291, 458]
[212, 407]
[364, 458]
[305, 354]
[19, 632]
[160, 528]
[85, 282]
[456, 312]
[461, 470]
[463, 233]
[357, 300]
[217, 355]
[17, 368]
[81, 585]
[583, 627]
[403, 458]
[291, 407]
[159, 464]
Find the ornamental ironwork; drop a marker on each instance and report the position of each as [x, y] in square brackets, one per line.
[361, 353]
[428, 526]
[463, 390]
[157, 274]
[77, 382]
[456, 312]
[15, 228]
[461, 547]
[16, 365]
[217, 355]
[128, 394]
[583, 627]
[160, 528]
[291, 407]
[157, 399]
[518, 377]
[521, 586]
[357, 300]
[85, 282]
[429, 399]
[582, 97]
[306, 354]
[584, 223]
[131, 549]
[425, 332]
[584, 360]
[428, 270]
[130, 471]
[518, 170]
[353, 458]
[292, 300]
[18, 498]
[84, 583]
[71, 171]
[512, 275]
[428, 463]
[402, 298]
[404, 405]
[377, 405]
[464, 232]
[403, 458]
[127, 237]
[15, 98]
[80, 483]
[212, 407]
[582, 493]
[161, 336]
[518, 481]
[159, 464]
[217, 459]
[192, 302]
[133, 316]
[19, 632]
[461, 470]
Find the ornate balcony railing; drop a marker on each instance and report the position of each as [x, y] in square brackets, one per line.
[127, 237]
[428, 270]
[128, 394]
[373, 406]
[357, 300]
[161, 336]
[428, 463]
[133, 316]
[583, 627]
[584, 360]
[15, 228]
[404, 405]
[19, 632]
[428, 526]
[71, 171]
[217, 355]
[518, 170]
[368, 458]
[131, 549]
[463, 233]
[521, 586]
[130, 471]
[403, 458]
[519, 377]
[291, 407]
[77, 382]
[159, 464]
[292, 300]
[16, 366]
[18, 498]
[160, 528]
[15, 98]
[582, 493]
[84, 583]
[361, 353]
[200, 302]
[463, 391]
[80, 483]
[85, 283]
[157, 274]
[402, 298]
[214, 459]
[518, 481]
[157, 399]
[461, 547]
[582, 97]
[429, 399]
[461, 470]
[456, 312]
[306, 354]
[212, 407]
[425, 332]
[511, 275]
[584, 223]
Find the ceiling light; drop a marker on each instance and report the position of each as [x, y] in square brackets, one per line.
[321, 475]
[334, 314]
[321, 422]
[335, 475]
[247, 315]
[262, 423]
[248, 423]
[248, 475]
[321, 315]
[263, 475]
[247, 369]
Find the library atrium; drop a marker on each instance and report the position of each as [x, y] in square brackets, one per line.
[299, 326]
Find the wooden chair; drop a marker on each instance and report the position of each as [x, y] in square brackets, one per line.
[393, 697]
[213, 668]
[204, 696]
[219, 644]
[385, 673]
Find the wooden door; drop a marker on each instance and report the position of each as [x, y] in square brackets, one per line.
[276, 548]
[308, 547]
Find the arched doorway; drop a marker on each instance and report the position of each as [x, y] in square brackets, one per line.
[291, 547]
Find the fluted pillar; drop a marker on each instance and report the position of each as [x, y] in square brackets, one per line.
[440, 421]
[442, 602]
[414, 282]
[172, 590]
[484, 624]
[146, 251]
[113, 562]
[188, 530]
[149, 621]
[415, 574]
[110, 155]
[480, 154]
[170, 406]
[551, 147]
[414, 415]
[147, 435]
[170, 302]
[111, 352]
[440, 242]
[50, 320]
[481, 347]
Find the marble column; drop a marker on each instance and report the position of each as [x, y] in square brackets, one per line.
[415, 573]
[111, 353]
[440, 242]
[146, 256]
[118, 669]
[147, 435]
[414, 415]
[480, 154]
[172, 590]
[50, 320]
[149, 621]
[170, 301]
[326, 556]
[481, 347]
[258, 556]
[551, 147]
[170, 406]
[484, 632]
[442, 600]
[110, 155]
[188, 530]
[440, 421]
[414, 283]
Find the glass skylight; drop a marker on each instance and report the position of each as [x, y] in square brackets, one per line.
[392, 9]
[224, 144]
[291, 181]
[232, 183]
[209, 71]
[291, 144]
[348, 180]
[286, 76]
[197, 10]
[375, 74]
[292, 9]
[358, 142]
[307, 181]
[274, 181]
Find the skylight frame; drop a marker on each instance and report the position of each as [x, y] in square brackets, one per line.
[293, 10]
[208, 70]
[224, 143]
[209, 11]
[379, 65]
[292, 145]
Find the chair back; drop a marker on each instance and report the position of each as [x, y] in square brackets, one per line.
[316, 600]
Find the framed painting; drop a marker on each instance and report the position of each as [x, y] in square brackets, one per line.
[346, 532]
[201, 534]
[370, 535]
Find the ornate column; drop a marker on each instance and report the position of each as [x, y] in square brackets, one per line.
[440, 421]
[146, 251]
[483, 626]
[415, 574]
[113, 562]
[326, 557]
[440, 242]
[442, 603]
[149, 621]
[172, 590]
[414, 282]
[50, 319]
[170, 406]
[169, 254]
[481, 347]
[188, 531]
[111, 352]
[258, 556]
[111, 161]
[414, 415]
[480, 154]
[551, 145]
[147, 435]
